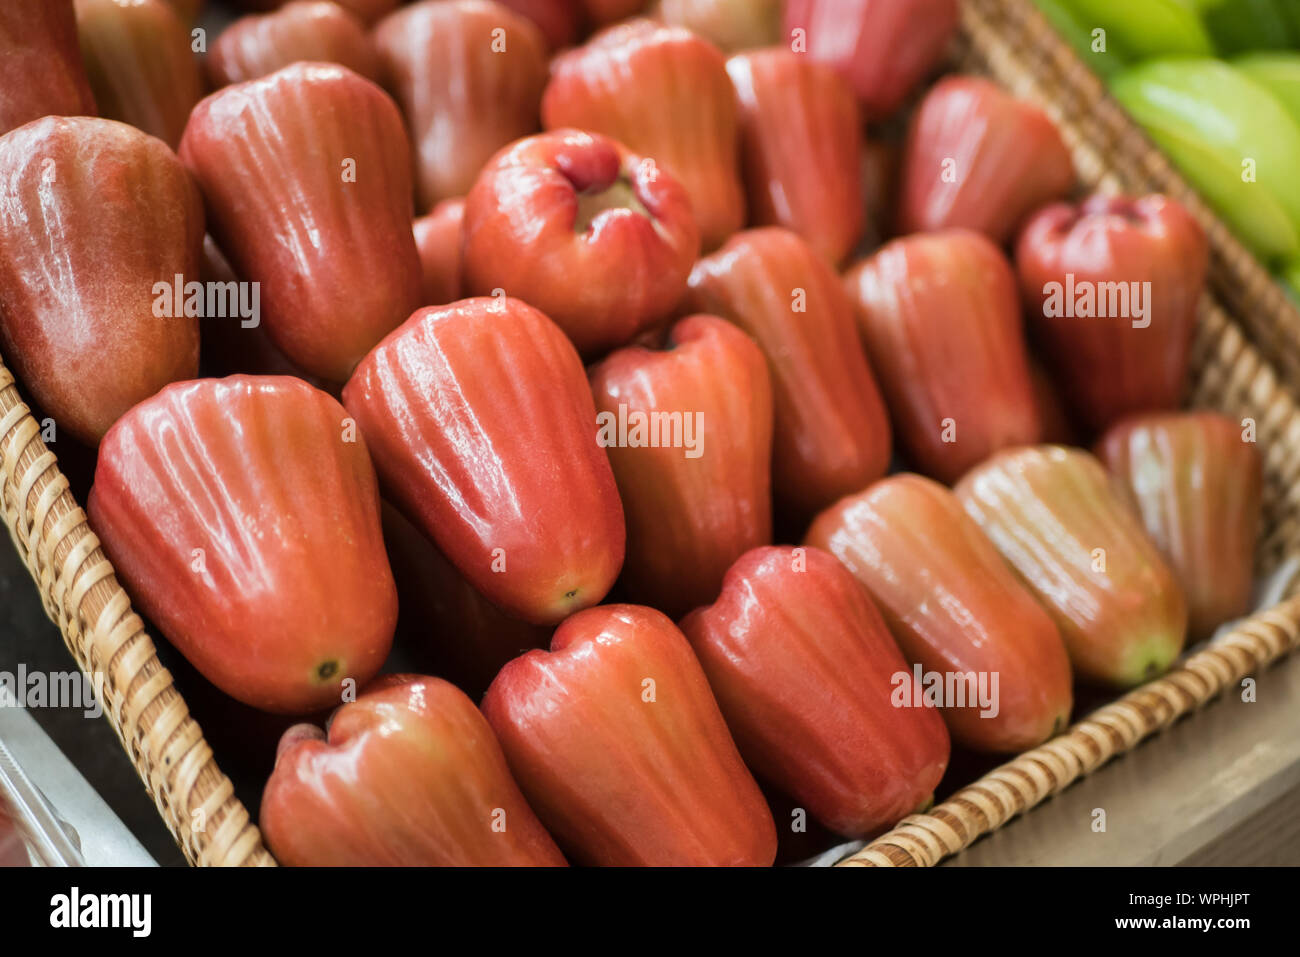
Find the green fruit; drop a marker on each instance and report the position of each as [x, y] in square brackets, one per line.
[1146, 28]
[1239, 26]
[1290, 276]
[1105, 62]
[1279, 73]
[1222, 130]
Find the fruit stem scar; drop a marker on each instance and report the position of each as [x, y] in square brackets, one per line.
[619, 194]
[327, 670]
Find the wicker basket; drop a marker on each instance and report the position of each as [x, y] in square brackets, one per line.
[1248, 333]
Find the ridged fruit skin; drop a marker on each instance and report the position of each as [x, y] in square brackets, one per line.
[978, 158]
[312, 30]
[444, 622]
[940, 316]
[1196, 483]
[603, 273]
[291, 592]
[801, 138]
[1109, 368]
[731, 25]
[410, 775]
[41, 73]
[832, 432]
[617, 741]
[138, 59]
[883, 47]
[689, 518]
[954, 606]
[664, 93]
[438, 241]
[482, 426]
[805, 672]
[93, 213]
[464, 97]
[1048, 509]
[335, 258]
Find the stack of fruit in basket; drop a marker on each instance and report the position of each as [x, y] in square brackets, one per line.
[632, 386]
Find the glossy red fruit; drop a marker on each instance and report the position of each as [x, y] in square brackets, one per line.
[410, 775]
[940, 316]
[616, 740]
[809, 678]
[664, 93]
[801, 148]
[832, 433]
[955, 608]
[41, 73]
[469, 75]
[94, 213]
[689, 434]
[438, 241]
[314, 30]
[1057, 520]
[483, 428]
[599, 239]
[731, 25]
[1195, 479]
[141, 68]
[308, 191]
[1111, 287]
[977, 157]
[242, 515]
[883, 47]
[444, 621]
[187, 10]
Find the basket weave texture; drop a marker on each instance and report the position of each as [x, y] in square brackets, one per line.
[1248, 333]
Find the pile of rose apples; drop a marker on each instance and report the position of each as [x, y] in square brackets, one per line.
[694, 483]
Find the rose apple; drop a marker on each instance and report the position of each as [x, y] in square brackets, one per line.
[1057, 520]
[141, 69]
[41, 73]
[801, 141]
[314, 30]
[732, 25]
[408, 775]
[977, 157]
[599, 239]
[664, 93]
[883, 47]
[956, 609]
[807, 676]
[940, 316]
[483, 428]
[1111, 287]
[438, 240]
[1195, 479]
[308, 192]
[242, 515]
[832, 433]
[469, 75]
[187, 10]
[694, 468]
[618, 744]
[95, 213]
[444, 621]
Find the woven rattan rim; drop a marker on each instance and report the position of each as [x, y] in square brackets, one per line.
[1006, 39]
[82, 596]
